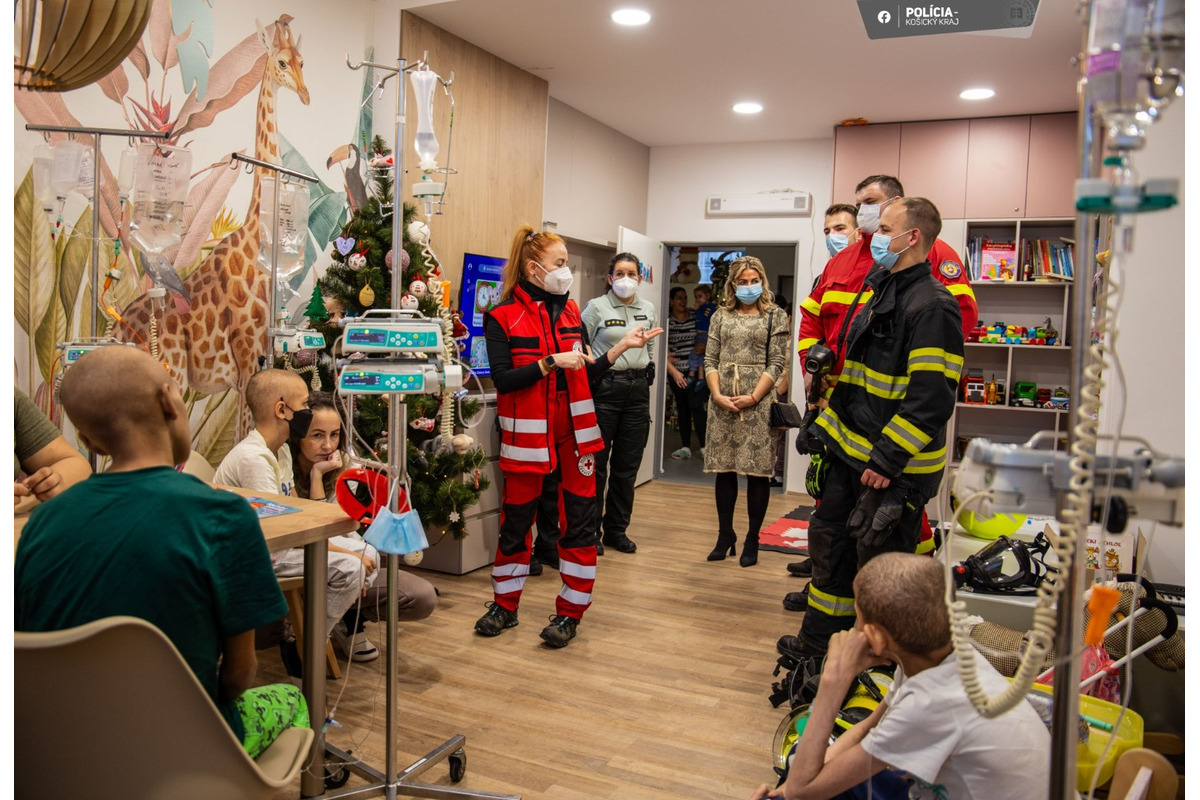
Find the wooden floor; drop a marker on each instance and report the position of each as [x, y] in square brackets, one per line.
[662, 695]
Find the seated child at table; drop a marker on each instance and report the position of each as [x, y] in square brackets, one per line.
[146, 541]
[278, 400]
[317, 460]
[926, 725]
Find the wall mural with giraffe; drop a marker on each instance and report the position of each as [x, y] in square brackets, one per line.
[213, 334]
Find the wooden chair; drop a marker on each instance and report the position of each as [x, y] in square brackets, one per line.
[111, 710]
[197, 465]
[293, 591]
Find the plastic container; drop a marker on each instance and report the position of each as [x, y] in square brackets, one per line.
[1128, 736]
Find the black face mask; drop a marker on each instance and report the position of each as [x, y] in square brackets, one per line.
[300, 422]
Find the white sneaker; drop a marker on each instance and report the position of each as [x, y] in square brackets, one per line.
[360, 649]
[702, 452]
[683, 453]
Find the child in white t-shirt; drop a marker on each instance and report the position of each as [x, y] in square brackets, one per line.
[926, 725]
[278, 400]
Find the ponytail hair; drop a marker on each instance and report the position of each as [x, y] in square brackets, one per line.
[527, 245]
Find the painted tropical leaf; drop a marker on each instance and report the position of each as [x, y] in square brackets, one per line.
[140, 62]
[205, 199]
[214, 435]
[233, 77]
[366, 111]
[194, 52]
[76, 259]
[51, 330]
[115, 84]
[326, 216]
[86, 308]
[33, 258]
[163, 40]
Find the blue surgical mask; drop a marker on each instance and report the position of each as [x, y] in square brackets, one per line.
[836, 243]
[749, 294]
[880, 252]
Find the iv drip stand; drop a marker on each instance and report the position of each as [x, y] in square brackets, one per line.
[281, 173]
[97, 134]
[393, 782]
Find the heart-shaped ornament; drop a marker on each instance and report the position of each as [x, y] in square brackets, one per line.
[344, 244]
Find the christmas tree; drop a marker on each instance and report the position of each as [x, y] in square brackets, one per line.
[445, 471]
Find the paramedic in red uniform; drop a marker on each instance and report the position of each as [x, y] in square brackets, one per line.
[541, 367]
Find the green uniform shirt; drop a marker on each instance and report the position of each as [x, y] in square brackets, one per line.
[154, 544]
[32, 431]
[606, 320]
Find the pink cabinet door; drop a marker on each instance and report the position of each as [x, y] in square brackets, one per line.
[933, 163]
[862, 151]
[1053, 165]
[997, 162]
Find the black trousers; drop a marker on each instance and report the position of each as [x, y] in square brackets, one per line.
[622, 401]
[691, 410]
[545, 545]
[837, 556]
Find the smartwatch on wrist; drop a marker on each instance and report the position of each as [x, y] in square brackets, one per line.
[550, 365]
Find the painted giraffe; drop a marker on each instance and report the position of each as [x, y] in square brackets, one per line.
[216, 346]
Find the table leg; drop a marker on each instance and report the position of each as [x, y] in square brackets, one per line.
[316, 576]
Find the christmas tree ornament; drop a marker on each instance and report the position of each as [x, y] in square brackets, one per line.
[423, 424]
[417, 288]
[454, 516]
[408, 302]
[344, 244]
[387, 259]
[316, 311]
[405, 259]
[419, 232]
[461, 443]
[367, 296]
[356, 261]
[413, 559]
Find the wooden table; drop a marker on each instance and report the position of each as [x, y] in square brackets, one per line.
[310, 528]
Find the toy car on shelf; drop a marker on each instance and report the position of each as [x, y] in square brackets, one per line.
[974, 388]
[1024, 394]
[1060, 400]
[1043, 398]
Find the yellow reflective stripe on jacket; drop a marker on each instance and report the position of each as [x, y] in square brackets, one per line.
[924, 547]
[905, 434]
[804, 344]
[846, 298]
[880, 384]
[850, 442]
[811, 306]
[923, 463]
[935, 359]
[960, 288]
[829, 604]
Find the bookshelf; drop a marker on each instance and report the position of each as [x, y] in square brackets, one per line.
[1021, 303]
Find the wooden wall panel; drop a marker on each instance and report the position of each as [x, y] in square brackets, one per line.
[499, 146]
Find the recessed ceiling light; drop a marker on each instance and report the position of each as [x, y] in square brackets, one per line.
[977, 94]
[631, 16]
[747, 108]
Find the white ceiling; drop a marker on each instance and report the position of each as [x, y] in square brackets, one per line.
[808, 62]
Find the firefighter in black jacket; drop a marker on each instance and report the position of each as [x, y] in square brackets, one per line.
[886, 422]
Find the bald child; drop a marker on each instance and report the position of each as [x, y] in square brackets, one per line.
[146, 541]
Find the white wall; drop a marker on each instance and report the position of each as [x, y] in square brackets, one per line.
[596, 178]
[682, 177]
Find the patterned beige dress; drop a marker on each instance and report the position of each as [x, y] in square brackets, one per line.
[737, 349]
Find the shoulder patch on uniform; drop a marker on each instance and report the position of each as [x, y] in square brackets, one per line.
[951, 269]
[608, 323]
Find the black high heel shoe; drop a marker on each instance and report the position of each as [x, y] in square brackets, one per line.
[724, 542]
[749, 551]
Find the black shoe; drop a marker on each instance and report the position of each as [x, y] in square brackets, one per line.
[599, 547]
[620, 542]
[801, 569]
[797, 648]
[725, 541]
[535, 566]
[796, 601]
[749, 555]
[775, 483]
[495, 621]
[560, 630]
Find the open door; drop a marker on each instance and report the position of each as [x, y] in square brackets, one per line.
[653, 290]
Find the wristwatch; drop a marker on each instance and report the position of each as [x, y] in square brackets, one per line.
[550, 365]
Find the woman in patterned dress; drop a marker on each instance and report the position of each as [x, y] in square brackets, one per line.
[747, 351]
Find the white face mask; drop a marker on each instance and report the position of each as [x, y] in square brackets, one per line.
[624, 288]
[868, 217]
[556, 281]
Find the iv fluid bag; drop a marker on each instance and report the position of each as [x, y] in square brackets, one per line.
[43, 163]
[426, 143]
[1135, 57]
[163, 173]
[64, 172]
[292, 227]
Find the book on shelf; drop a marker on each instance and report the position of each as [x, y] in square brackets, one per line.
[991, 261]
[1045, 260]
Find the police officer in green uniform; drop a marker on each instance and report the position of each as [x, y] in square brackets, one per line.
[622, 397]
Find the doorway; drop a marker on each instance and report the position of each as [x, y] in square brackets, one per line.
[690, 265]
